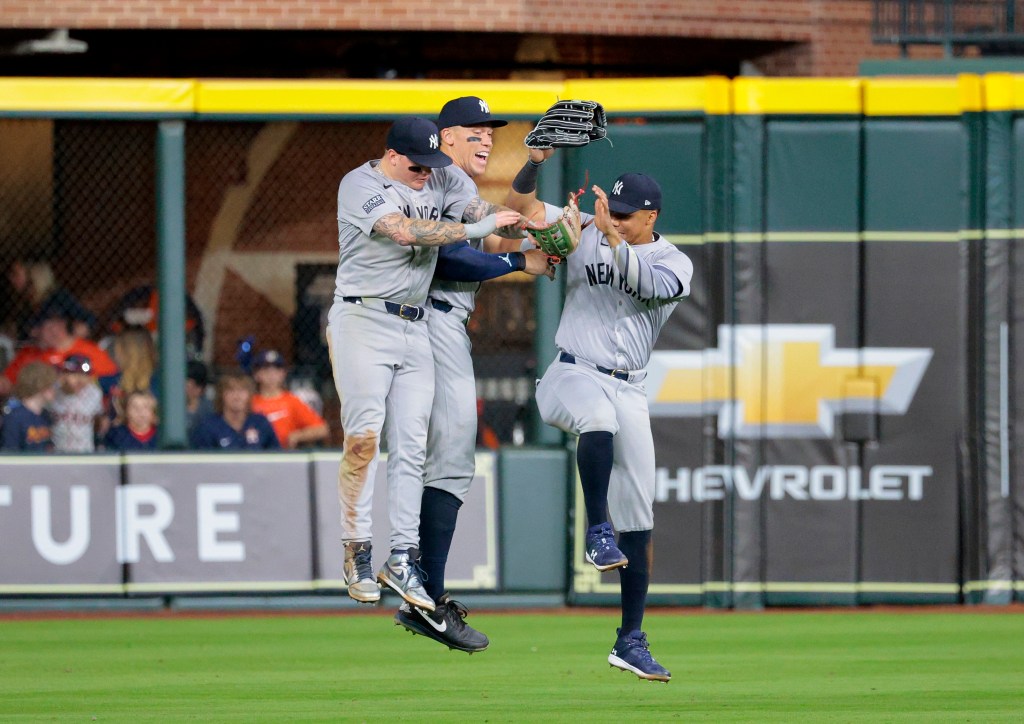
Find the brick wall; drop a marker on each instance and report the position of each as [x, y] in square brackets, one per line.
[812, 37]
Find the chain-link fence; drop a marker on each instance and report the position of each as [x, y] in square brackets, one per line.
[78, 205]
[77, 220]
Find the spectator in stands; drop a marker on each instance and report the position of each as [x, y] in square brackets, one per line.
[234, 426]
[135, 355]
[140, 307]
[55, 343]
[295, 423]
[35, 288]
[139, 430]
[77, 408]
[26, 424]
[197, 404]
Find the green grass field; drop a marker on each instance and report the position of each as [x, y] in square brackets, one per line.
[773, 666]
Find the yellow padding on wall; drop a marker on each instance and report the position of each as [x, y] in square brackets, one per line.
[525, 98]
[947, 96]
[797, 95]
[1002, 91]
[651, 95]
[97, 95]
[902, 96]
[371, 97]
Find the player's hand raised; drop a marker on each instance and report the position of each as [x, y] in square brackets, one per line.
[603, 218]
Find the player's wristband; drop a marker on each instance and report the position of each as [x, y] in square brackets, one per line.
[525, 181]
[480, 229]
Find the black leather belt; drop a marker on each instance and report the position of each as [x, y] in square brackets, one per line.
[441, 306]
[617, 374]
[409, 312]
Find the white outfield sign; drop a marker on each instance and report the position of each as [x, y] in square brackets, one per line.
[792, 482]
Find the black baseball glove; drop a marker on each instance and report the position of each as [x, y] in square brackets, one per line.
[569, 124]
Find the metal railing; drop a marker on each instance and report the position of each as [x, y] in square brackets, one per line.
[995, 23]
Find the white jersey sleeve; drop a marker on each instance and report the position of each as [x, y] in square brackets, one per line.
[665, 277]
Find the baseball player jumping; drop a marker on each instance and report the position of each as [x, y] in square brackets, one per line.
[389, 228]
[623, 281]
[467, 130]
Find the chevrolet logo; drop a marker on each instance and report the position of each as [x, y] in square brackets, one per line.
[782, 380]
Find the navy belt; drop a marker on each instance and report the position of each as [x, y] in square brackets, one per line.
[441, 306]
[409, 312]
[617, 374]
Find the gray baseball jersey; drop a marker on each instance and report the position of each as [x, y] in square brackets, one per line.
[458, 294]
[382, 363]
[451, 438]
[611, 324]
[604, 320]
[372, 265]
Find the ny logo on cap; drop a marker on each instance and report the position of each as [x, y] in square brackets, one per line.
[433, 140]
[617, 188]
[483, 106]
[647, 202]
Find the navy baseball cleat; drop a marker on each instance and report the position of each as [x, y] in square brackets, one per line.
[633, 653]
[402, 573]
[446, 625]
[601, 548]
[358, 572]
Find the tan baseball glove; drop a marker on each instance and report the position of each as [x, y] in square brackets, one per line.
[560, 238]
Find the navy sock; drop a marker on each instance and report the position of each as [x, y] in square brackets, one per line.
[594, 455]
[438, 512]
[634, 578]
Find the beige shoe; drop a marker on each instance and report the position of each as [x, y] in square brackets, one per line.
[358, 572]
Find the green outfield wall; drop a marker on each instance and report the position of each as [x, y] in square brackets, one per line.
[836, 408]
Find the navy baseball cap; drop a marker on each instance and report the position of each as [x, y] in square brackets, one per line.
[468, 111]
[76, 363]
[634, 192]
[418, 140]
[268, 358]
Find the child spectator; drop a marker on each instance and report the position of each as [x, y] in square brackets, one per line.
[26, 424]
[234, 426]
[139, 431]
[77, 407]
[134, 352]
[197, 404]
[295, 423]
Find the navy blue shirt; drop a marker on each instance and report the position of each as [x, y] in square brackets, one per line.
[214, 433]
[25, 430]
[120, 437]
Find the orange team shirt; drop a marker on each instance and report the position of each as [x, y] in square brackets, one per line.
[286, 413]
[102, 364]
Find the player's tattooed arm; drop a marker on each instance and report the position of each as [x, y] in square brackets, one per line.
[420, 232]
[478, 209]
[423, 232]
